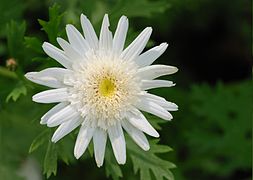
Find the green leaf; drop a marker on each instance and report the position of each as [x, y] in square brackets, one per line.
[15, 37]
[112, 168]
[224, 114]
[52, 27]
[154, 120]
[146, 161]
[16, 93]
[39, 140]
[34, 43]
[50, 161]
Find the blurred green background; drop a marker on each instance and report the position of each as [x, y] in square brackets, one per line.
[210, 41]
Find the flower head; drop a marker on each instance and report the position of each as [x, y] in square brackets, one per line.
[103, 88]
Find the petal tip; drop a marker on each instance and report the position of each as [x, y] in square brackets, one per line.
[146, 148]
[29, 75]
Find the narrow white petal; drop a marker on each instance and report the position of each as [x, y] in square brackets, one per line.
[169, 106]
[154, 71]
[51, 96]
[73, 54]
[137, 46]
[153, 108]
[83, 139]
[151, 55]
[57, 54]
[120, 35]
[66, 114]
[65, 128]
[76, 39]
[52, 111]
[99, 141]
[137, 119]
[105, 38]
[51, 77]
[89, 32]
[118, 143]
[136, 135]
[151, 84]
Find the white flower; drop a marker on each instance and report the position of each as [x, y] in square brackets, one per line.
[103, 87]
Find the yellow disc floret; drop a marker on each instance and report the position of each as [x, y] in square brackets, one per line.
[106, 87]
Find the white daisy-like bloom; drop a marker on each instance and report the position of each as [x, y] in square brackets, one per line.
[103, 88]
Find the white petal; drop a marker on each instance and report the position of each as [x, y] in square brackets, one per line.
[76, 39]
[99, 141]
[137, 119]
[154, 71]
[137, 46]
[169, 106]
[120, 35]
[118, 143]
[51, 77]
[105, 38]
[66, 114]
[153, 108]
[57, 54]
[52, 111]
[73, 54]
[151, 55]
[89, 32]
[83, 139]
[65, 128]
[151, 84]
[136, 135]
[51, 96]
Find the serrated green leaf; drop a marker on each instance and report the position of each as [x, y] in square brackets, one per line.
[34, 44]
[15, 37]
[225, 112]
[144, 162]
[39, 140]
[52, 27]
[16, 93]
[112, 168]
[50, 161]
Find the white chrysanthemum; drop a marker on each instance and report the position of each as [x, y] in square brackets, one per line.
[103, 88]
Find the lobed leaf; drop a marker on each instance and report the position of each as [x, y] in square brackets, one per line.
[50, 161]
[144, 162]
[39, 140]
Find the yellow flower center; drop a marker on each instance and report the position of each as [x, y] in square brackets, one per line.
[106, 87]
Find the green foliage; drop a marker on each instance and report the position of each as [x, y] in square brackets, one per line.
[15, 35]
[144, 162]
[40, 140]
[140, 8]
[16, 93]
[50, 161]
[10, 10]
[16, 134]
[7, 73]
[34, 43]
[223, 115]
[8, 173]
[52, 27]
[112, 168]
